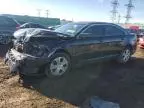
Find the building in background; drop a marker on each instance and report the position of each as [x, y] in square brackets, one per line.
[39, 20]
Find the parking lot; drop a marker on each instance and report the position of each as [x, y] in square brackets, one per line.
[123, 84]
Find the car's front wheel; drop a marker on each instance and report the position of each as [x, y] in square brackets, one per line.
[125, 56]
[58, 66]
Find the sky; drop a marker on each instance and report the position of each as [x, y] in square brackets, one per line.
[78, 10]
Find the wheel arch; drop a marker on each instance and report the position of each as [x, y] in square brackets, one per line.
[54, 54]
[62, 51]
[130, 47]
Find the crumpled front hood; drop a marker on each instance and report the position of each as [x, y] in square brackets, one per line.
[25, 34]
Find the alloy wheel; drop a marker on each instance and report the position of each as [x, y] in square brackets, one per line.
[126, 55]
[59, 66]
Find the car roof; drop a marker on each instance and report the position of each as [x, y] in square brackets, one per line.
[95, 23]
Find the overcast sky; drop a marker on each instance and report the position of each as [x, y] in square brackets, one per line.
[78, 10]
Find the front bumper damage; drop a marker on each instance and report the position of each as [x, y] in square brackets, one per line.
[25, 64]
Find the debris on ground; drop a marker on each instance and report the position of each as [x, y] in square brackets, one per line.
[96, 102]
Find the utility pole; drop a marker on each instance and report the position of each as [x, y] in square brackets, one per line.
[129, 6]
[47, 13]
[119, 19]
[115, 4]
[39, 12]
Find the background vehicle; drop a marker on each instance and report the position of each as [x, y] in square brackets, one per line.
[31, 25]
[7, 28]
[139, 33]
[141, 42]
[54, 52]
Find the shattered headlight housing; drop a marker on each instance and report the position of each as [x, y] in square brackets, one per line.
[37, 50]
[17, 55]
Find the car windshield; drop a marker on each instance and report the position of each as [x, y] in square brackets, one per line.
[70, 29]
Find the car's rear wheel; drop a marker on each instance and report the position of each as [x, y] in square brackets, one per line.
[58, 66]
[125, 56]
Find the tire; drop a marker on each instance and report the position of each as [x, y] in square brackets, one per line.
[58, 66]
[125, 56]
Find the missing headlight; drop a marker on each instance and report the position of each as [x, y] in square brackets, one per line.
[37, 50]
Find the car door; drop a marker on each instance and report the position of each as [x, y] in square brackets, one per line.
[112, 40]
[88, 44]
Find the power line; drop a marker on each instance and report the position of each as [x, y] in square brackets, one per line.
[115, 4]
[129, 6]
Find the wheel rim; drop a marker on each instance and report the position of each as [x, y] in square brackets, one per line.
[59, 66]
[126, 55]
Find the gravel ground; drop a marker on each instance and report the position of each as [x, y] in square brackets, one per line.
[114, 82]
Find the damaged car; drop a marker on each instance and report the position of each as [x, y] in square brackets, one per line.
[40, 51]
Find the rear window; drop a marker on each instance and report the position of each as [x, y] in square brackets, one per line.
[95, 30]
[113, 31]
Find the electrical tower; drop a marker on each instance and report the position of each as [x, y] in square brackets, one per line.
[47, 13]
[129, 6]
[119, 19]
[39, 12]
[115, 4]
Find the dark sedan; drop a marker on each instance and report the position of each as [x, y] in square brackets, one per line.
[141, 42]
[55, 52]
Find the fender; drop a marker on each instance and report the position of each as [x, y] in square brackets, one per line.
[56, 50]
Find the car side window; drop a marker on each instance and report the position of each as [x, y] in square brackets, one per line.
[95, 30]
[113, 31]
